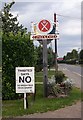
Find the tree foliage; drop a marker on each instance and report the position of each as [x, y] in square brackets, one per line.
[17, 51]
[74, 54]
[10, 23]
[81, 57]
[39, 64]
[71, 57]
[51, 57]
[81, 54]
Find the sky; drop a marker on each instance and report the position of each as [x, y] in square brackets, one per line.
[68, 16]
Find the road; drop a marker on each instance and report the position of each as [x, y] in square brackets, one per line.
[73, 72]
[74, 68]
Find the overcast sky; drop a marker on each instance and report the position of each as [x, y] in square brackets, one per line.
[69, 18]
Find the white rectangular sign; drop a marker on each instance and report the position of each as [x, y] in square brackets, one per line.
[43, 37]
[25, 80]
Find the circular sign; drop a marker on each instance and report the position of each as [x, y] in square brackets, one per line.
[45, 26]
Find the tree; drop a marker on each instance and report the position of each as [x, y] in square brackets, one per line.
[17, 50]
[39, 64]
[39, 51]
[10, 23]
[68, 56]
[71, 57]
[81, 54]
[50, 57]
[81, 57]
[74, 54]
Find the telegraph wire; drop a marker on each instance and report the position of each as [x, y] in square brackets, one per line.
[68, 17]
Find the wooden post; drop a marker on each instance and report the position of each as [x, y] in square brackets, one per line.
[56, 65]
[25, 101]
[45, 67]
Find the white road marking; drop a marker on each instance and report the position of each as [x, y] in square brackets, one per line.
[66, 69]
[77, 74]
[73, 72]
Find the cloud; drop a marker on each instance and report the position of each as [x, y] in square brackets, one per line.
[72, 27]
[65, 1]
[69, 14]
[64, 46]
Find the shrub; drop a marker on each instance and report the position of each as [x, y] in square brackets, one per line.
[59, 76]
[39, 68]
[81, 61]
[72, 61]
[53, 84]
[17, 51]
[63, 88]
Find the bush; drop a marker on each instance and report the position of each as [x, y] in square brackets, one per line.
[81, 61]
[53, 84]
[59, 76]
[39, 68]
[17, 51]
[62, 86]
[72, 61]
[62, 61]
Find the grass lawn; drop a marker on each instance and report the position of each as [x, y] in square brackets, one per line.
[12, 108]
[39, 75]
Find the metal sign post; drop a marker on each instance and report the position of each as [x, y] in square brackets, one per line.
[45, 68]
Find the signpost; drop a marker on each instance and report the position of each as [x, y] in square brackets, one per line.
[45, 27]
[25, 82]
[44, 32]
[45, 67]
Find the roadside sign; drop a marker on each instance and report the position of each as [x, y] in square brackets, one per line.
[43, 37]
[43, 30]
[25, 82]
[45, 26]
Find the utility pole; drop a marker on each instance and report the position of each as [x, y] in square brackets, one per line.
[56, 65]
[78, 55]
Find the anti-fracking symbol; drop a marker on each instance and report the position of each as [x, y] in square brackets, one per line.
[44, 26]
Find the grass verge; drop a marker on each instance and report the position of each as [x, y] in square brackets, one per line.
[12, 108]
[39, 75]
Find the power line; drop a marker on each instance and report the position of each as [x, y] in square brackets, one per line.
[68, 16]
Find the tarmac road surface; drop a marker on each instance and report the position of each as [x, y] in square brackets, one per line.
[72, 72]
